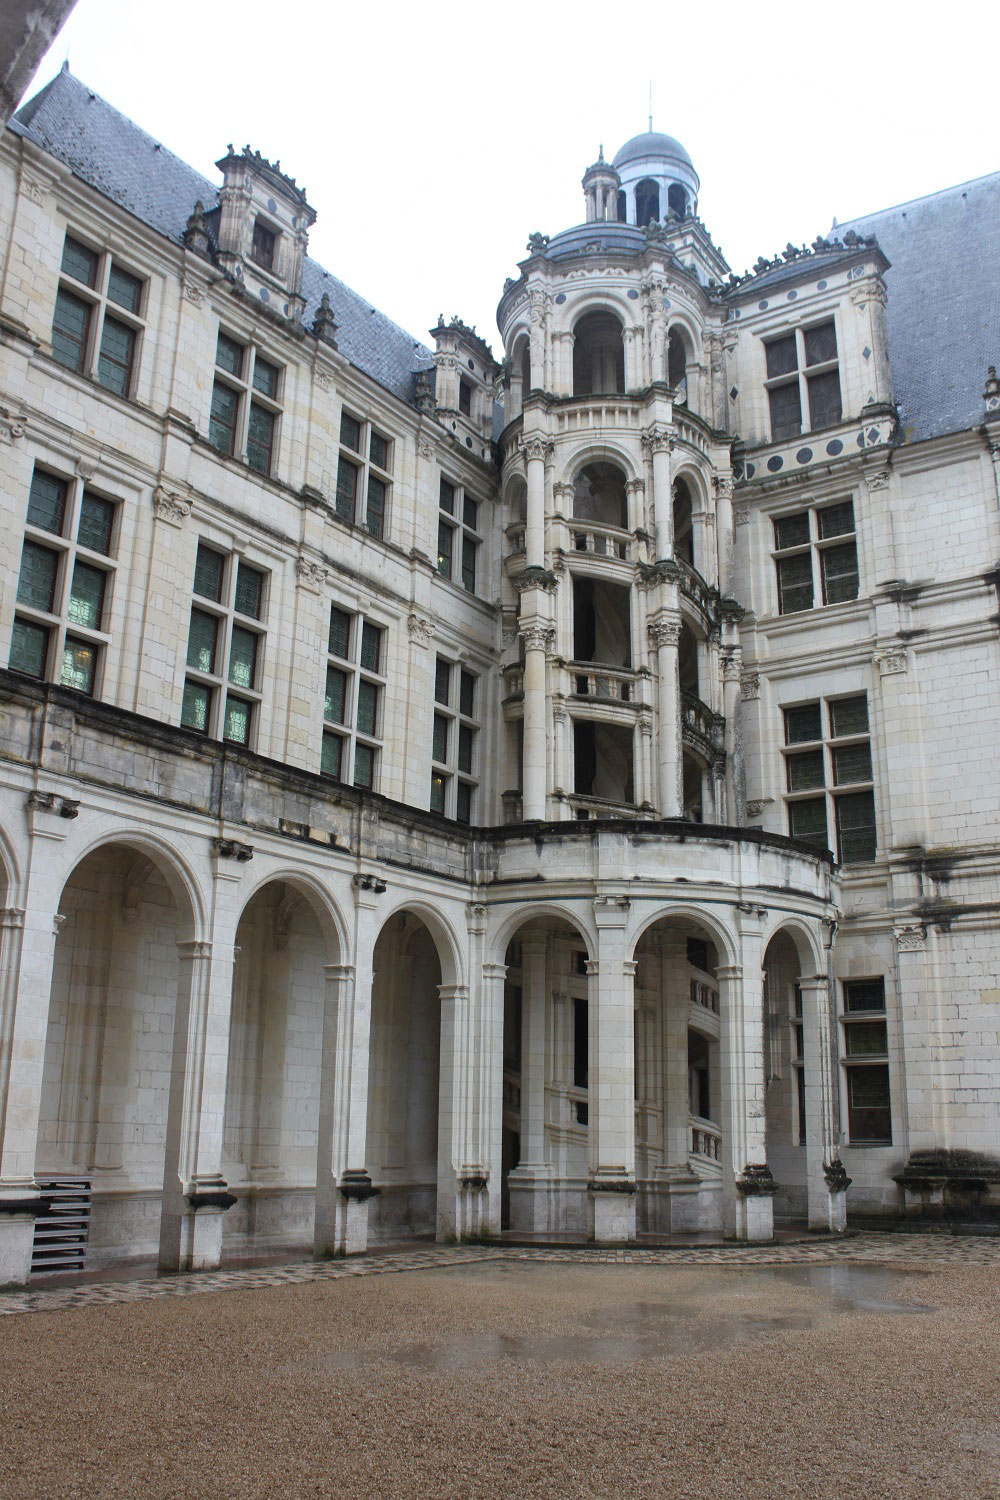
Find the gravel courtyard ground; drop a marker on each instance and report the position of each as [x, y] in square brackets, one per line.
[871, 1369]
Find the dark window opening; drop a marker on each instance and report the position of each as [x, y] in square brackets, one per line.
[677, 199]
[581, 1044]
[601, 625]
[647, 202]
[598, 355]
[264, 242]
[602, 761]
[465, 398]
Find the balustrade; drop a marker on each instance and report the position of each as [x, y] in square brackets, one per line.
[706, 1139]
[591, 681]
[599, 541]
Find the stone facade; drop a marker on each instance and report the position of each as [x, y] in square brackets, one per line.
[420, 814]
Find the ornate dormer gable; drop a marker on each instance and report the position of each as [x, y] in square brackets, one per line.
[263, 233]
[465, 380]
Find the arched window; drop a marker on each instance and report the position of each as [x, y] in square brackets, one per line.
[647, 202]
[598, 355]
[599, 495]
[677, 363]
[622, 207]
[677, 199]
[525, 366]
[683, 530]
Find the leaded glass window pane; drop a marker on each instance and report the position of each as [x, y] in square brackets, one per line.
[781, 355]
[36, 585]
[243, 657]
[463, 802]
[447, 499]
[29, 646]
[196, 707]
[378, 451]
[791, 531]
[208, 571]
[852, 763]
[364, 766]
[795, 584]
[466, 741]
[839, 566]
[202, 639]
[260, 438]
[347, 489]
[340, 632]
[803, 723]
[79, 666]
[350, 432]
[97, 519]
[786, 411]
[856, 828]
[469, 548]
[470, 513]
[442, 680]
[222, 419]
[864, 994]
[824, 400]
[467, 694]
[47, 502]
[79, 262]
[70, 329]
[440, 742]
[331, 756]
[866, 1038]
[237, 725]
[445, 542]
[849, 716]
[439, 784]
[114, 365]
[367, 707]
[820, 343]
[807, 821]
[229, 355]
[249, 591]
[265, 377]
[371, 646]
[375, 512]
[836, 520]
[125, 289]
[805, 771]
[86, 598]
[335, 704]
[868, 1112]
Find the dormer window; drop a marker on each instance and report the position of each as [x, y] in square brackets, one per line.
[265, 242]
[465, 398]
[803, 381]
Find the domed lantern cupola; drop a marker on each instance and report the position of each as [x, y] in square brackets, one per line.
[657, 178]
[601, 185]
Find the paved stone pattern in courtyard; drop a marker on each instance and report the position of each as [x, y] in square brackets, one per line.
[895, 1250]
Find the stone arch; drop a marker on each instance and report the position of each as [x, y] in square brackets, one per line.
[607, 450]
[585, 300]
[11, 879]
[325, 909]
[171, 863]
[724, 937]
[500, 937]
[515, 498]
[598, 352]
[685, 325]
[806, 940]
[450, 947]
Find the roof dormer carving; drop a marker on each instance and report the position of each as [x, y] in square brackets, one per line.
[263, 230]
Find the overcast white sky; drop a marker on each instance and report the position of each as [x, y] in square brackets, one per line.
[433, 139]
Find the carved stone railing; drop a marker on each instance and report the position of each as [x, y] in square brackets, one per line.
[593, 681]
[705, 995]
[513, 682]
[702, 729]
[513, 808]
[589, 413]
[586, 808]
[599, 541]
[701, 594]
[706, 1139]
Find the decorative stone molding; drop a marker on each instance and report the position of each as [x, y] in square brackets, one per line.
[13, 425]
[34, 189]
[664, 571]
[535, 448]
[732, 667]
[741, 515]
[193, 292]
[535, 578]
[421, 629]
[538, 637]
[169, 506]
[836, 1176]
[750, 686]
[755, 1181]
[51, 802]
[476, 1179]
[311, 573]
[357, 1186]
[664, 630]
[218, 1198]
[756, 806]
[563, 492]
[560, 713]
[659, 440]
[911, 939]
[372, 883]
[890, 662]
[425, 448]
[232, 849]
[876, 479]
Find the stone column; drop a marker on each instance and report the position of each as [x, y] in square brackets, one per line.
[659, 442]
[611, 1078]
[529, 1205]
[355, 1186]
[724, 531]
[535, 452]
[826, 1179]
[664, 632]
[333, 1230]
[747, 1185]
[491, 1093]
[732, 667]
[537, 636]
[453, 1108]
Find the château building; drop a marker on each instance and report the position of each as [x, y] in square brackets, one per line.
[450, 795]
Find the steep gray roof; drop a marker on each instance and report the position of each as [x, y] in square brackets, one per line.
[944, 302]
[111, 154]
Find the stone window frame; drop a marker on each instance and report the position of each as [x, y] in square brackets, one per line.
[855, 1020]
[800, 376]
[103, 309]
[252, 397]
[63, 633]
[825, 545]
[357, 455]
[457, 706]
[264, 226]
[459, 560]
[828, 755]
[360, 677]
[218, 688]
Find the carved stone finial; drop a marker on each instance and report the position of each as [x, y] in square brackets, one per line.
[323, 325]
[991, 395]
[424, 391]
[196, 235]
[537, 243]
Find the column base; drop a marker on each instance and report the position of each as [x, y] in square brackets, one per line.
[530, 1189]
[18, 1210]
[342, 1217]
[753, 1205]
[191, 1226]
[612, 1210]
[828, 1200]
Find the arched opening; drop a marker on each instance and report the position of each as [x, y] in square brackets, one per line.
[784, 1075]
[693, 789]
[647, 202]
[271, 1122]
[677, 200]
[515, 515]
[524, 364]
[599, 496]
[603, 763]
[598, 355]
[677, 365]
[622, 206]
[403, 1080]
[683, 523]
[678, 1101]
[108, 1062]
[519, 378]
[601, 623]
[545, 1081]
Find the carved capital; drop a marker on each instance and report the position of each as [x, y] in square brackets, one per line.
[192, 291]
[311, 573]
[169, 506]
[538, 636]
[741, 515]
[723, 486]
[732, 666]
[912, 938]
[421, 629]
[535, 578]
[13, 425]
[232, 849]
[664, 630]
[750, 686]
[659, 440]
[535, 448]
[891, 662]
[876, 479]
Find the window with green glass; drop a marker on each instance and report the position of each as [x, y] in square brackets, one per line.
[347, 489]
[80, 262]
[86, 599]
[79, 666]
[71, 330]
[364, 766]
[805, 771]
[243, 657]
[237, 723]
[795, 583]
[335, 705]
[47, 502]
[466, 743]
[440, 738]
[266, 377]
[445, 543]
[36, 585]
[439, 785]
[331, 757]
[804, 723]
[124, 289]
[469, 549]
[378, 451]
[463, 802]
[350, 432]
[442, 680]
[340, 633]
[852, 763]
[807, 821]
[849, 716]
[371, 646]
[467, 694]
[375, 511]
[208, 571]
[367, 707]
[114, 365]
[223, 418]
[856, 837]
[97, 520]
[29, 648]
[229, 355]
[202, 639]
[249, 591]
[196, 707]
[839, 568]
[260, 438]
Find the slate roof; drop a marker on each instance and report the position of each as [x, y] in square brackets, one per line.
[944, 302]
[111, 154]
